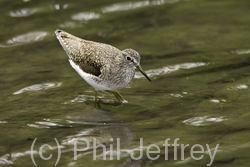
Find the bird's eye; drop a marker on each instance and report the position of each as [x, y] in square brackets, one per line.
[128, 58]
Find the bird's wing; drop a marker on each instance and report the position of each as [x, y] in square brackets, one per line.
[90, 56]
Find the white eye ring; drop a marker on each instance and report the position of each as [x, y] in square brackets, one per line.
[128, 58]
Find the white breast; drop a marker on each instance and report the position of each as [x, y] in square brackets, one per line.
[89, 78]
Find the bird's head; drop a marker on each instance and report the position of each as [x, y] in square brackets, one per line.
[132, 58]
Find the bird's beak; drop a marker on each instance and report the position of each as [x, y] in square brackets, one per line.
[141, 70]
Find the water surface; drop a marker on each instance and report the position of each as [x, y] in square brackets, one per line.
[197, 53]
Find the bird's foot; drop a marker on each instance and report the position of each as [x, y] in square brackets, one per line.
[108, 102]
[118, 96]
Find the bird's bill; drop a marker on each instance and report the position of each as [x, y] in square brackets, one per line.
[141, 70]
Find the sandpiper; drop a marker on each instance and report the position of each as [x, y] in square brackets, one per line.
[102, 66]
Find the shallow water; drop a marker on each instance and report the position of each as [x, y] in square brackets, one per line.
[196, 52]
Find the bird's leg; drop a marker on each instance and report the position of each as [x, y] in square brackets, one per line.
[96, 99]
[117, 95]
[95, 96]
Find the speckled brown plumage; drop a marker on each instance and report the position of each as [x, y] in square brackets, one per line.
[101, 65]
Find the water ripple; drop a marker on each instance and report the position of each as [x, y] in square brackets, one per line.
[25, 38]
[215, 101]
[85, 16]
[68, 24]
[36, 126]
[59, 6]
[203, 121]
[38, 87]
[82, 98]
[48, 124]
[71, 140]
[241, 87]
[3, 122]
[169, 69]
[241, 51]
[9, 158]
[238, 87]
[176, 95]
[24, 12]
[133, 5]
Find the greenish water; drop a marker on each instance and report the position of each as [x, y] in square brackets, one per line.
[196, 52]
